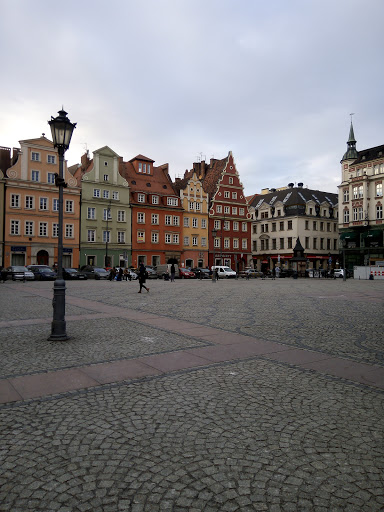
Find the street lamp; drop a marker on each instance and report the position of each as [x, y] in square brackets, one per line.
[62, 130]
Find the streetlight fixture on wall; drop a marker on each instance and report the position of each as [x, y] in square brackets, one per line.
[62, 130]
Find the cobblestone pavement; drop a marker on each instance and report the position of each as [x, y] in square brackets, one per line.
[248, 435]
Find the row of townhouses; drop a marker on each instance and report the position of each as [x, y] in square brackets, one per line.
[121, 213]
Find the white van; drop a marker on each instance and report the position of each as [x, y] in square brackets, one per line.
[224, 271]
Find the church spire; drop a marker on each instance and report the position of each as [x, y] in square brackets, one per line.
[351, 153]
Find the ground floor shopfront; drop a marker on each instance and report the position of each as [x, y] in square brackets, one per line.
[236, 261]
[39, 254]
[362, 247]
[265, 263]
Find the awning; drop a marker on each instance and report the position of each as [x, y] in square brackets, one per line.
[348, 234]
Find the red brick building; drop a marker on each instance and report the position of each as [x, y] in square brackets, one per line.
[157, 214]
[229, 231]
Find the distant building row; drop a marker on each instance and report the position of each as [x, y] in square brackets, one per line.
[120, 213]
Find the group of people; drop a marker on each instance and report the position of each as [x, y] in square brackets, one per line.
[123, 274]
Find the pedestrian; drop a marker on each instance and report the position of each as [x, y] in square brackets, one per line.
[277, 270]
[126, 274]
[173, 272]
[3, 274]
[216, 274]
[143, 274]
[112, 274]
[120, 274]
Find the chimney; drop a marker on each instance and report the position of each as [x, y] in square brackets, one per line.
[300, 185]
[290, 185]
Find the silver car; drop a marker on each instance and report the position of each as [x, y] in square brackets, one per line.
[20, 273]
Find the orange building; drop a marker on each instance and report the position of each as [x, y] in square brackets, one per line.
[31, 208]
[157, 213]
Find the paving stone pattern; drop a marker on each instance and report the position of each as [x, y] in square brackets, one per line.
[241, 435]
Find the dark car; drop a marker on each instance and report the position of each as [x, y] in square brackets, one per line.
[201, 273]
[152, 274]
[72, 273]
[251, 272]
[94, 272]
[19, 273]
[42, 272]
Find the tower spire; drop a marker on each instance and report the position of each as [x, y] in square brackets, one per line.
[351, 153]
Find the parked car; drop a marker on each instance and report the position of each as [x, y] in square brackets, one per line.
[42, 272]
[339, 272]
[201, 273]
[251, 272]
[20, 273]
[94, 272]
[224, 271]
[184, 273]
[72, 273]
[152, 274]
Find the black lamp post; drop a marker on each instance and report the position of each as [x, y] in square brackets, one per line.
[62, 129]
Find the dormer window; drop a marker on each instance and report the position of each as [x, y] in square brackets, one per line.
[141, 198]
[145, 168]
[140, 167]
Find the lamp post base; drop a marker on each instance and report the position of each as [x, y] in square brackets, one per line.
[58, 326]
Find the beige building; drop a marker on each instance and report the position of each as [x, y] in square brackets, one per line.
[195, 220]
[361, 223]
[281, 217]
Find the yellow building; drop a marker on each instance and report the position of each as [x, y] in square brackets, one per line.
[195, 220]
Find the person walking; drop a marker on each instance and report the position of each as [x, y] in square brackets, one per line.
[120, 274]
[173, 272]
[142, 277]
[112, 274]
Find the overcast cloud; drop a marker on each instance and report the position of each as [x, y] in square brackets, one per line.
[272, 81]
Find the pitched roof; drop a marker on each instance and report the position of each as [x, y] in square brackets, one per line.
[213, 173]
[367, 155]
[141, 157]
[294, 196]
[158, 182]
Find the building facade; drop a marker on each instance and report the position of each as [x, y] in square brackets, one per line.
[32, 205]
[195, 220]
[361, 205]
[284, 216]
[157, 213]
[105, 211]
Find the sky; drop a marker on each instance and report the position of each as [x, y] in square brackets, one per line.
[178, 81]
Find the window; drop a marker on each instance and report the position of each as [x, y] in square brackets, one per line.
[321, 226]
[226, 194]
[227, 209]
[145, 168]
[15, 200]
[379, 211]
[91, 235]
[141, 198]
[204, 223]
[141, 236]
[289, 243]
[355, 214]
[191, 205]
[203, 242]
[264, 215]
[186, 222]
[186, 240]
[15, 227]
[194, 240]
[176, 220]
[35, 175]
[274, 243]
[244, 226]
[43, 228]
[55, 230]
[241, 211]
[29, 202]
[172, 201]
[140, 167]
[226, 243]
[329, 244]
[361, 213]
[106, 237]
[105, 164]
[314, 225]
[141, 218]
[315, 243]
[29, 228]
[69, 231]
[96, 192]
[281, 226]
[361, 191]
[216, 242]
[155, 237]
[289, 224]
[328, 226]
[307, 242]
[155, 199]
[346, 195]
[167, 238]
[281, 243]
[43, 203]
[51, 159]
[234, 195]
[154, 218]
[121, 237]
[244, 243]
[55, 205]
[148, 168]
[254, 229]
[219, 208]
[226, 225]
[106, 177]
[175, 238]
[321, 243]
[69, 206]
[168, 220]
[35, 157]
[106, 194]
[107, 215]
[234, 210]
[194, 222]
[355, 192]
[217, 224]
[115, 195]
[379, 189]
[197, 206]
[51, 178]
[231, 181]
[235, 243]
[120, 215]
[235, 225]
